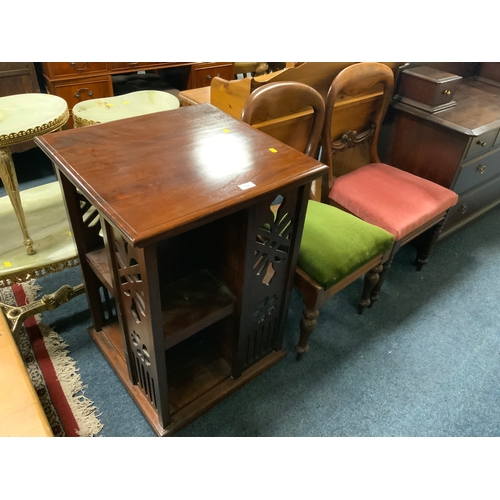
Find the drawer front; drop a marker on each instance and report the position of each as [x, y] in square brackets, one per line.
[472, 203]
[444, 93]
[117, 66]
[73, 93]
[74, 69]
[203, 76]
[477, 171]
[481, 144]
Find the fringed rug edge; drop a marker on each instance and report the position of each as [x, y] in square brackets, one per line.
[84, 411]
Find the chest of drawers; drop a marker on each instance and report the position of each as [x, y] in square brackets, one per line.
[458, 148]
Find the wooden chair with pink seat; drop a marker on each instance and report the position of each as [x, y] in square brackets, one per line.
[410, 207]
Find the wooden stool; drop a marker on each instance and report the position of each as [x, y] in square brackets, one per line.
[23, 117]
[108, 109]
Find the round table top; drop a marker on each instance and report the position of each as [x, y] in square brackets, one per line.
[24, 116]
[108, 109]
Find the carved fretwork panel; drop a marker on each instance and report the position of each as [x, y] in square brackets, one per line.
[269, 244]
[84, 218]
[142, 361]
[136, 311]
[108, 305]
[91, 225]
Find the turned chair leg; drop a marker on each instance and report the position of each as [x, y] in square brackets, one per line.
[374, 296]
[428, 244]
[307, 325]
[372, 277]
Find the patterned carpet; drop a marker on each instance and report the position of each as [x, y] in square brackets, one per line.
[53, 372]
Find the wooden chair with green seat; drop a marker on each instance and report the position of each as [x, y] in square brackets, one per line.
[336, 247]
[409, 207]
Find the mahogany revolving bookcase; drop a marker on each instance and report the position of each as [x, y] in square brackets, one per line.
[187, 224]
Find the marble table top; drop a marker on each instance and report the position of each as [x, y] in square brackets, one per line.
[46, 217]
[25, 116]
[108, 109]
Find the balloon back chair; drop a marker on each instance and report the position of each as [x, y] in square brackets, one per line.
[403, 204]
[336, 247]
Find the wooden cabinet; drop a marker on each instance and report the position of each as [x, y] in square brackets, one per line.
[202, 74]
[126, 66]
[82, 89]
[427, 88]
[56, 70]
[458, 148]
[17, 78]
[187, 269]
[79, 81]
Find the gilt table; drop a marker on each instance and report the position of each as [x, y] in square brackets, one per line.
[188, 271]
[108, 109]
[22, 118]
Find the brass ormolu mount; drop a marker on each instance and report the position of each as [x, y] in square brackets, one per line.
[16, 315]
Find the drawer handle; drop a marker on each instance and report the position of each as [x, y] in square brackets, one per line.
[133, 64]
[462, 209]
[481, 169]
[481, 143]
[83, 68]
[209, 77]
[89, 92]
[447, 92]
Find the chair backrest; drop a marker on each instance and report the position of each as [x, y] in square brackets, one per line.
[356, 80]
[283, 99]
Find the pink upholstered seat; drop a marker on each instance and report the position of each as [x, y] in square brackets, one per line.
[390, 198]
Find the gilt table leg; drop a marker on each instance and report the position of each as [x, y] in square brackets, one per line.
[9, 179]
[16, 315]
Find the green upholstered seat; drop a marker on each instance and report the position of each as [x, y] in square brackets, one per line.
[334, 243]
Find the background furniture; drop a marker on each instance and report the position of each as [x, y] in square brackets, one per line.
[230, 96]
[79, 81]
[18, 78]
[23, 117]
[250, 68]
[458, 148]
[191, 283]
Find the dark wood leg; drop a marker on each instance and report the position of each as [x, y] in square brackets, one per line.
[382, 276]
[307, 325]
[372, 277]
[428, 243]
[136, 281]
